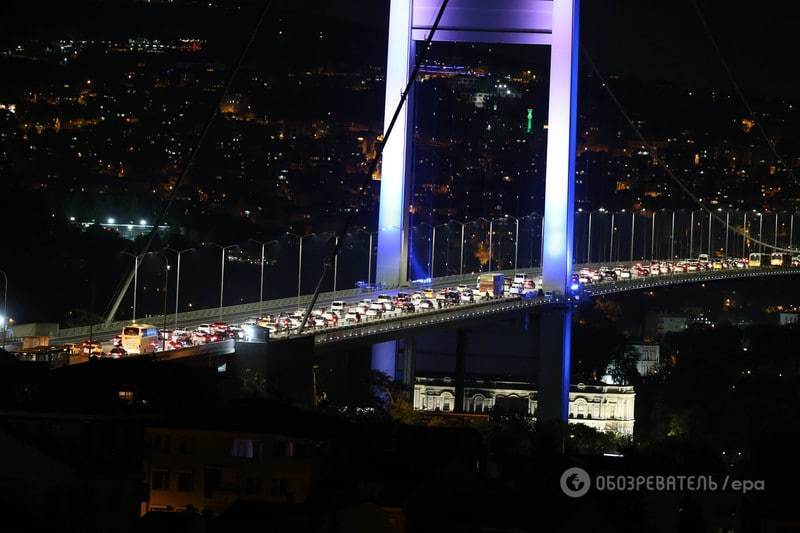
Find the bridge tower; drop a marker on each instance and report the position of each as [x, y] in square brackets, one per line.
[551, 23]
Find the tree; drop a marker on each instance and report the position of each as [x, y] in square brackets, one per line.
[622, 367]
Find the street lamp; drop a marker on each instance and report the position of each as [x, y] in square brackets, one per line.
[223, 250]
[5, 306]
[300, 262]
[178, 278]
[136, 259]
[261, 282]
[166, 290]
[760, 232]
[516, 239]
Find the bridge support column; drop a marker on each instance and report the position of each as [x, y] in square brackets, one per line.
[384, 358]
[409, 365]
[555, 336]
[461, 364]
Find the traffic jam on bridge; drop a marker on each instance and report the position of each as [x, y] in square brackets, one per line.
[143, 339]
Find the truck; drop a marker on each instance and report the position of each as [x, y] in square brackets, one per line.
[491, 284]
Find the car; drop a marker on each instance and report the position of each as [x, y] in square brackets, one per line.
[407, 307]
[236, 332]
[204, 328]
[117, 341]
[424, 305]
[338, 306]
[117, 353]
[374, 313]
[352, 317]
[91, 348]
[265, 321]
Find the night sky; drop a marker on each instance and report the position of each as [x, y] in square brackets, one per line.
[664, 40]
[652, 40]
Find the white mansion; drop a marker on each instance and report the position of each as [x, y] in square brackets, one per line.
[600, 406]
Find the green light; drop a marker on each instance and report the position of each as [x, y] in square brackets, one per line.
[530, 120]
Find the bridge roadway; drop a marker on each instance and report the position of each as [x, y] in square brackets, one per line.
[392, 326]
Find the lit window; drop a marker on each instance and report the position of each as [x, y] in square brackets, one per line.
[242, 448]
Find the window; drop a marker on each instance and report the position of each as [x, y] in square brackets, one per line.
[185, 481]
[283, 448]
[159, 480]
[242, 448]
[125, 395]
[212, 481]
[280, 487]
[161, 443]
[185, 445]
[252, 486]
[478, 404]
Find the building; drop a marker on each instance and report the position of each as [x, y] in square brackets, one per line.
[659, 324]
[784, 319]
[649, 358]
[600, 406]
[208, 469]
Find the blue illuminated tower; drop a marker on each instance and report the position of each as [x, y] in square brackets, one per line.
[532, 22]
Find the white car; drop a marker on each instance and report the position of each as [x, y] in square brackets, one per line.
[352, 317]
[338, 306]
[423, 305]
[205, 328]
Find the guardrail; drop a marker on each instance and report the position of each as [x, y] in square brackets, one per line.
[202, 315]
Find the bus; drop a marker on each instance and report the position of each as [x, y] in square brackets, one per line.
[757, 260]
[139, 338]
[780, 259]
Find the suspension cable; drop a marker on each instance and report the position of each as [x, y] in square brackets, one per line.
[740, 93]
[192, 158]
[339, 238]
[666, 166]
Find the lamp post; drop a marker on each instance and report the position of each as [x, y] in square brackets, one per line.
[727, 230]
[611, 244]
[433, 250]
[178, 253]
[691, 235]
[136, 259]
[223, 250]
[633, 232]
[589, 240]
[516, 239]
[369, 261]
[4, 315]
[791, 230]
[261, 277]
[760, 232]
[300, 261]
[335, 264]
[461, 263]
[653, 238]
[491, 230]
[709, 234]
[672, 238]
[775, 244]
[166, 290]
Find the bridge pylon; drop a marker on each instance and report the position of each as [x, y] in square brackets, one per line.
[551, 23]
